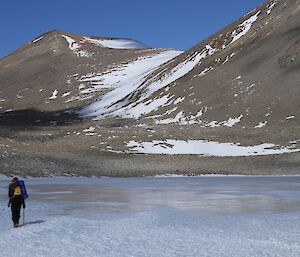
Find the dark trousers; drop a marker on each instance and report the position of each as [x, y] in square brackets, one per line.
[16, 204]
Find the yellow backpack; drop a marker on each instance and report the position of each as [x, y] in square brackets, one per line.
[17, 191]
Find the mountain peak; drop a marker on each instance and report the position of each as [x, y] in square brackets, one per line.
[106, 42]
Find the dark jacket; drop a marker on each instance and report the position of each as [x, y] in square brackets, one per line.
[19, 199]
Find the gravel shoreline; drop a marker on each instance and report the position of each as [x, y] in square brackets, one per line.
[135, 165]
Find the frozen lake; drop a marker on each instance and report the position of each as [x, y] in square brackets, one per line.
[162, 216]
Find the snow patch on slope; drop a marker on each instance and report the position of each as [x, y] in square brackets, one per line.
[206, 148]
[181, 119]
[38, 39]
[290, 117]
[125, 103]
[261, 124]
[158, 82]
[74, 46]
[244, 27]
[139, 109]
[125, 80]
[232, 121]
[271, 6]
[54, 95]
[177, 72]
[116, 43]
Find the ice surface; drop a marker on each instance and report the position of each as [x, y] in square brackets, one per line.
[178, 216]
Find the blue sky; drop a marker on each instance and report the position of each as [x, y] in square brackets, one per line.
[158, 23]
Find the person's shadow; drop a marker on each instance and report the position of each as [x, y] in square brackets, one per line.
[33, 222]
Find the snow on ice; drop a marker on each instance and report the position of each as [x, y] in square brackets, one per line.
[203, 216]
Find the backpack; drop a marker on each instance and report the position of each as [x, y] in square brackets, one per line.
[23, 189]
[17, 191]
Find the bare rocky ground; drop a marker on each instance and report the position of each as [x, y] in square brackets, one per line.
[68, 150]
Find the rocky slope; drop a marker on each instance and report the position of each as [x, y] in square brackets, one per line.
[245, 75]
[115, 107]
[53, 71]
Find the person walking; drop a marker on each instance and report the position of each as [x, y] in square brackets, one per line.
[16, 200]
